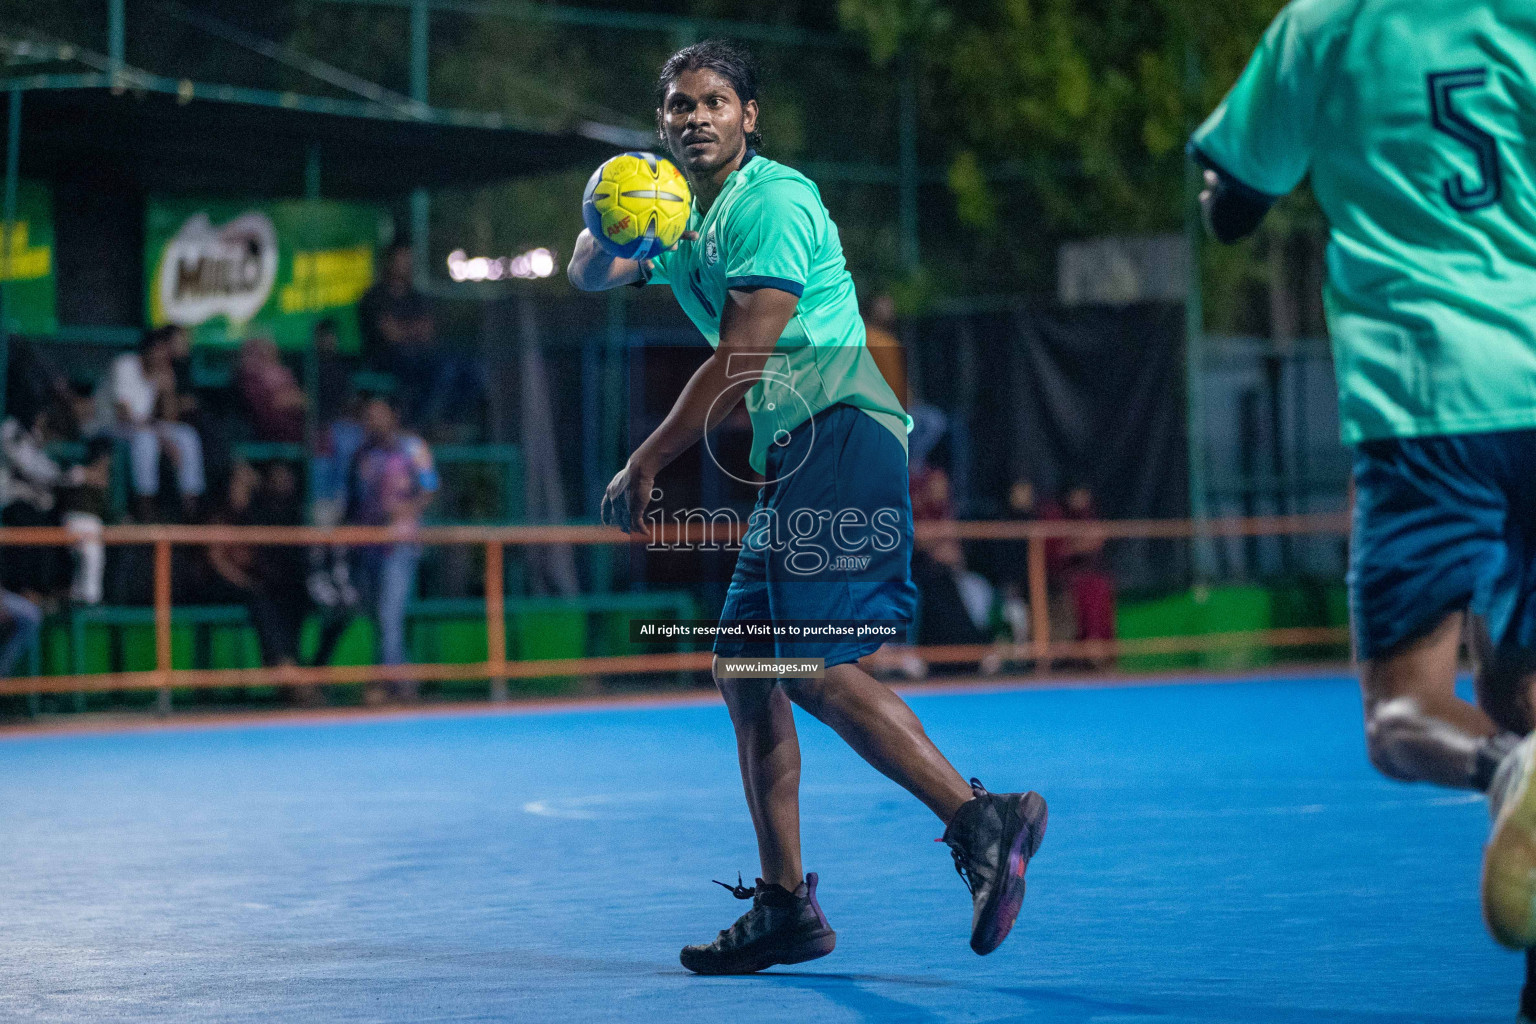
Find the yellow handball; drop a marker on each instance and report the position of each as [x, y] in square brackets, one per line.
[637, 205]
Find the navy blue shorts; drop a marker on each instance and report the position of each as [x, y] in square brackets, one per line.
[1443, 524]
[829, 540]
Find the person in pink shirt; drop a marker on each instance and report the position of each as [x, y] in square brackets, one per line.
[270, 392]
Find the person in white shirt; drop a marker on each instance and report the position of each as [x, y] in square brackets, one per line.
[135, 392]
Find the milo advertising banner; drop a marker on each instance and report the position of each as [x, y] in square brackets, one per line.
[227, 270]
[29, 290]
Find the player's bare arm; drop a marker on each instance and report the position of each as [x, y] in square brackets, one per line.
[750, 326]
[593, 270]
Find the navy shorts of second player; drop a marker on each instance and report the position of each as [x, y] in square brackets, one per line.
[1441, 524]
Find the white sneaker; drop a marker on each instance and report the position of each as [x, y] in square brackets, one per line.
[1509, 861]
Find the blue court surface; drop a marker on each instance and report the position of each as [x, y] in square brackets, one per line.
[1215, 853]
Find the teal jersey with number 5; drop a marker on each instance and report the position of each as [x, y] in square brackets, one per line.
[768, 229]
[1417, 122]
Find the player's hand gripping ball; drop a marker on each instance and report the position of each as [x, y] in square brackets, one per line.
[637, 205]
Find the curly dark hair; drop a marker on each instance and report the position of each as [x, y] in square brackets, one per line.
[731, 62]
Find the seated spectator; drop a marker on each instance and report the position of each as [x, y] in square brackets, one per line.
[269, 580]
[392, 482]
[955, 604]
[181, 404]
[137, 397]
[22, 621]
[1078, 564]
[270, 393]
[35, 490]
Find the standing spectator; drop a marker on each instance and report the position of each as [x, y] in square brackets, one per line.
[341, 438]
[138, 392]
[392, 482]
[336, 398]
[23, 621]
[399, 337]
[273, 400]
[341, 428]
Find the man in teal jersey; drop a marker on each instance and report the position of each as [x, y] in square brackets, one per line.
[760, 271]
[1416, 120]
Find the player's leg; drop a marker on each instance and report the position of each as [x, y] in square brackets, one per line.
[992, 836]
[769, 753]
[848, 462]
[1429, 531]
[785, 924]
[1509, 860]
[882, 729]
[1417, 729]
[1505, 654]
[1439, 531]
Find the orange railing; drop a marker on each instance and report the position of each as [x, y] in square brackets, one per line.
[498, 669]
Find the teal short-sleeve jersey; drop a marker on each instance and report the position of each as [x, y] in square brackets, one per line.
[769, 229]
[1416, 121]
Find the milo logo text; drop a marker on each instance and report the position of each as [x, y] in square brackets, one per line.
[207, 271]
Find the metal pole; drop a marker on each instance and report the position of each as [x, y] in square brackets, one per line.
[117, 36]
[1039, 606]
[421, 207]
[420, 11]
[495, 620]
[1194, 347]
[614, 416]
[312, 172]
[907, 130]
[311, 357]
[12, 180]
[163, 623]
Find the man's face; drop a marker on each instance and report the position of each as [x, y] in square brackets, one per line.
[704, 122]
[157, 357]
[400, 264]
[378, 419]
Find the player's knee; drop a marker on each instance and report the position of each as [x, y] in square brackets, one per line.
[744, 698]
[808, 692]
[1390, 728]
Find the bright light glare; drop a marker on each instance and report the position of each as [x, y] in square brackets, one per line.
[533, 264]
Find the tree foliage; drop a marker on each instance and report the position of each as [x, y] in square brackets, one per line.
[1039, 120]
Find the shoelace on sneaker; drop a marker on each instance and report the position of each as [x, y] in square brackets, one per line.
[962, 859]
[738, 890]
[963, 869]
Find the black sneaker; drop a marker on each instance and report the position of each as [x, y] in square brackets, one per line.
[782, 927]
[992, 837]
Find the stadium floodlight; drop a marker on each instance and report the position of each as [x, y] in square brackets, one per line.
[530, 265]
